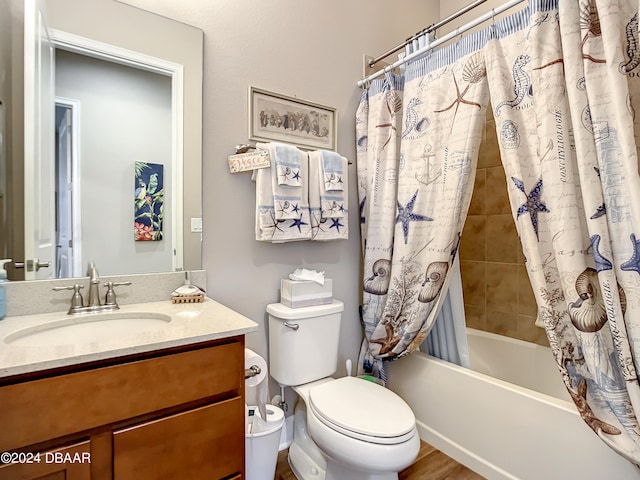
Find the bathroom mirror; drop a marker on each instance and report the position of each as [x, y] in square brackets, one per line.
[133, 39]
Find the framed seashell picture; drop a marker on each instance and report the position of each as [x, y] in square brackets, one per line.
[275, 117]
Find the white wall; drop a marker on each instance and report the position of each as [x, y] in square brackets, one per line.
[448, 7]
[311, 50]
[125, 117]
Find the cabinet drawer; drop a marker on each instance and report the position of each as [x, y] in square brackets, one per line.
[67, 463]
[49, 408]
[207, 442]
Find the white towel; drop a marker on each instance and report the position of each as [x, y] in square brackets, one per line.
[332, 171]
[268, 227]
[287, 158]
[330, 184]
[324, 227]
[287, 199]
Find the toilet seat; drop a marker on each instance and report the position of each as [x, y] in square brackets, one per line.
[363, 410]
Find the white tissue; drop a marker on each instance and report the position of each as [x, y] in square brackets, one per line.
[304, 274]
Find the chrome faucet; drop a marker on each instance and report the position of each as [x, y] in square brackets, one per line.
[93, 301]
[94, 286]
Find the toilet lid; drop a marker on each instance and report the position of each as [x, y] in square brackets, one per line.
[362, 407]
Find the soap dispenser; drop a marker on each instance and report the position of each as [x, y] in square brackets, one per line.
[3, 293]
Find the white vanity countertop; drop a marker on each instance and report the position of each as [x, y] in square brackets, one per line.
[190, 323]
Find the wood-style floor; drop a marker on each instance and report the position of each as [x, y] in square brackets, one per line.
[431, 464]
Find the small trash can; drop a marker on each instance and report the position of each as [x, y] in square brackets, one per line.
[262, 439]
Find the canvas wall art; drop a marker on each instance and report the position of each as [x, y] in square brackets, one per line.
[149, 201]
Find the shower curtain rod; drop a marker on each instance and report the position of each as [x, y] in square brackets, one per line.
[483, 18]
[429, 29]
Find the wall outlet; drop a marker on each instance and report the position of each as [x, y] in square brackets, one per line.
[196, 225]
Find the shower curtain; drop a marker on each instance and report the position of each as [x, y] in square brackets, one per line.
[564, 82]
[565, 94]
[417, 144]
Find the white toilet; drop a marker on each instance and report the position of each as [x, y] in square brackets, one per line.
[346, 428]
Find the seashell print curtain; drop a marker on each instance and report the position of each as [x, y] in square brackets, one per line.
[564, 83]
[418, 137]
[565, 91]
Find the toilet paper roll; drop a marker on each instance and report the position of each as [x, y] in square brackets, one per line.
[252, 358]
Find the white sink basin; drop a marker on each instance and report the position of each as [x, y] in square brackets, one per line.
[75, 330]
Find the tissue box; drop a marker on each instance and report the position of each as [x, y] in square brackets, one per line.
[305, 293]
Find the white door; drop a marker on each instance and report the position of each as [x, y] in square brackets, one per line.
[64, 190]
[39, 165]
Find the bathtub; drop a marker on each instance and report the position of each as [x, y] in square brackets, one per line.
[509, 417]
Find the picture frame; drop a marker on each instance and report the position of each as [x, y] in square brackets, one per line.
[280, 118]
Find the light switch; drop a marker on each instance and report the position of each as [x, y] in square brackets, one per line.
[196, 225]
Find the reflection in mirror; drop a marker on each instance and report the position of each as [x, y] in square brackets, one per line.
[95, 201]
[109, 117]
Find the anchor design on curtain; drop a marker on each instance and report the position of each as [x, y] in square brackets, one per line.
[564, 82]
[413, 210]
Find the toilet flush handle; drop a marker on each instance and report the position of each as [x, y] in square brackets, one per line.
[293, 326]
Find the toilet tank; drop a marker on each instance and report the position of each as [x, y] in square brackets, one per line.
[306, 347]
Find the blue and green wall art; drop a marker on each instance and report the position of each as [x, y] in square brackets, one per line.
[149, 201]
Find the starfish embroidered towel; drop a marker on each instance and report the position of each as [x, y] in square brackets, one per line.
[328, 219]
[287, 159]
[287, 199]
[332, 171]
[268, 227]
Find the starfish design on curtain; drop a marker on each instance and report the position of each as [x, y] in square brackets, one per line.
[388, 342]
[634, 262]
[406, 216]
[533, 205]
[459, 99]
[601, 262]
[580, 399]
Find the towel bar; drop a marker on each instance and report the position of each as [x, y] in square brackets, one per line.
[245, 147]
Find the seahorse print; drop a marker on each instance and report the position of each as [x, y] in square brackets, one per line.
[521, 84]
[633, 52]
[413, 123]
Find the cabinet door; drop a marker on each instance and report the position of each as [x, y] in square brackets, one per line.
[67, 463]
[206, 442]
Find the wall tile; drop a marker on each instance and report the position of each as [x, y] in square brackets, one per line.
[489, 154]
[528, 331]
[473, 242]
[496, 197]
[476, 207]
[475, 317]
[474, 282]
[502, 288]
[502, 239]
[502, 323]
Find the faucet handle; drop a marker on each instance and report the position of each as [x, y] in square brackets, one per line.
[110, 297]
[76, 299]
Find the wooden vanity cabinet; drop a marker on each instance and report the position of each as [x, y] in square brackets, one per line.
[176, 413]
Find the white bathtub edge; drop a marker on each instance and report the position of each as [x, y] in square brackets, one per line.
[460, 454]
